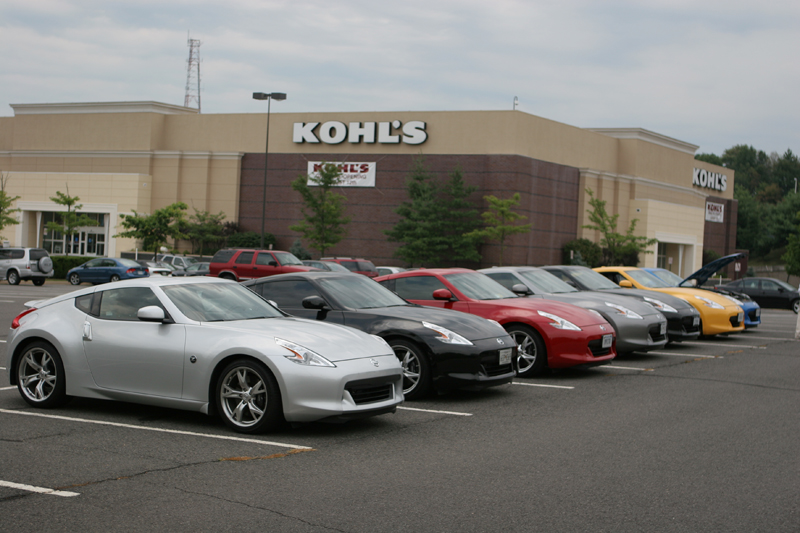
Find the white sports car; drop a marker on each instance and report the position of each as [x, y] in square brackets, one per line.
[201, 344]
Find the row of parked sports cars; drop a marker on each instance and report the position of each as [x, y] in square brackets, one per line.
[319, 345]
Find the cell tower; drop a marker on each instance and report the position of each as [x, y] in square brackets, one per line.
[193, 74]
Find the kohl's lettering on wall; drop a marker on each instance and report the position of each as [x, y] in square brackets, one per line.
[335, 132]
[709, 180]
[353, 174]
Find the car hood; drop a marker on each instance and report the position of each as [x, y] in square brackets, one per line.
[577, 315]
[690, 294]
[469, 326]
[597, 300]
[332, 341]
[708, 269]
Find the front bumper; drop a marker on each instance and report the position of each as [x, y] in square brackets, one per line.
[567, 348]
[641, 335]
[473, 367]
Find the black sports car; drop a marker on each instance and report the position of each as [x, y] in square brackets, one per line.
[438, 348]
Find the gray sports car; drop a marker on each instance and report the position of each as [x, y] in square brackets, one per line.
[639, 326]
[200, 344]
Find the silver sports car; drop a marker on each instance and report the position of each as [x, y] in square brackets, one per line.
[201, 344]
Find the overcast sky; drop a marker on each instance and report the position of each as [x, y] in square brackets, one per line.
[710, 72]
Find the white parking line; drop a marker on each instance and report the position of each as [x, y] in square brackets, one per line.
[3, 340]
[536, 385]
[687, 355]
[723, 345]
[745, 337]
[7, 388]
[434, 411]
[40, 490]
[627, 368]
[173, 431]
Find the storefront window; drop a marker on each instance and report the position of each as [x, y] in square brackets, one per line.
[89, 240]
[661, 257]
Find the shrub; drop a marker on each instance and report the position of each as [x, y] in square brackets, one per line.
[586, 251]
[250, 239]
[64, 263]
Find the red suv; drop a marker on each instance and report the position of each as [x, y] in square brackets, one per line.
[249, 264]
[358, 266]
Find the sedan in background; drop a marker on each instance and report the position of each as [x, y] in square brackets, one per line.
[683, 320]
[639, 326]
[767, 292]
[106, 269]
[155, 268]
[328, 266]
[548, 334]
[438, 349]
[386, 270]
[717, 314]
[195, 269]
[199, 344]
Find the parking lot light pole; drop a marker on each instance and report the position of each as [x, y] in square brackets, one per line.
[268, 97]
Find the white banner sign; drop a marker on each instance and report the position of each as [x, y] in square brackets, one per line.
[715, 212]
[353, 174]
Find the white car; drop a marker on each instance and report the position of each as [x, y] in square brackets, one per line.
[200, 344]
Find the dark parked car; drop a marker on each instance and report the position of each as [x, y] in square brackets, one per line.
[105, 269]
[767, 292]
[240, 265]
[330, 266]
[438, 348]
[683, 320]
[195, 269]
[359, 266]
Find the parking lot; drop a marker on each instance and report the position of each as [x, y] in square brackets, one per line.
[701, 435]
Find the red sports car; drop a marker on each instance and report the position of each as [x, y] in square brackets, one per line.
[549, 333]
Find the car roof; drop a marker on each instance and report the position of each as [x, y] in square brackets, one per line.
[313, 274]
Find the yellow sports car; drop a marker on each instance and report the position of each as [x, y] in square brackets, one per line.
[718, 314]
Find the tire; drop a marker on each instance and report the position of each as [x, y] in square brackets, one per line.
[796, 306]
[532, 353]
[40, 376]
[38, 281]
[74, 279]
[45, 264]
[248, 397]
[226, 275]
[13, 277]
[114, 278]
[417, 377]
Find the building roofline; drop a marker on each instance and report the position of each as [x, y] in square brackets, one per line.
[102, 107]
[648, 136]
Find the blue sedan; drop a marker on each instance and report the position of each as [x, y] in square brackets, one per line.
[752, 311]
[105, 269]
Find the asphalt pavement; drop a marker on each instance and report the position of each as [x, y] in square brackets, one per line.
[700, 436]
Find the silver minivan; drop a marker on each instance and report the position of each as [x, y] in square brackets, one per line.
[19, 264]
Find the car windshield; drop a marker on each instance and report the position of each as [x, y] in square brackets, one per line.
[478, 286]
[285, 258]
[218, 302]
[544, 281]
[668, 277]
[334, 267]
[785, 285]
[647, 279]
[189, 260]
[359, 292]
[592, 280]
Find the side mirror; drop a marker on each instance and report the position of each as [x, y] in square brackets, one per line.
[521, 289]
[625, 284]
[273, 263]
[443, 294]
[314, 302]
[570, 283]
[152, 313]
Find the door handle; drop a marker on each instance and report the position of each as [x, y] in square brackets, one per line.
[87, 331]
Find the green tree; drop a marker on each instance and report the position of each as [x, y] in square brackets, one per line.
[792, 256]
[6, 202]
[299, 251]
[500, 221]
[71, 220]
[203, 228]
[589, 252]
[435, 219]
[324, 222]
[617, 247]
[154, 229]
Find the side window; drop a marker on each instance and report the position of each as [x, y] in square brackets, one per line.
[736, 285]
[5, 254]
[768, 285]
[263, 258]
[417, 287]
[17, 254]
[94, 263]
[352, 266]
[288, 294]
[505, 279]
[613, 276]
[124, 304]
[245, 258]
[109, 263]
[751, 284]
[84, 303]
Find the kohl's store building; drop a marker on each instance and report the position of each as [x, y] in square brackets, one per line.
[124, 156]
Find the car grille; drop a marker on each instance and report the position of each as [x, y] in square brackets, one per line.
[371, 390]
[754, 314]
[655, 333]
[596, 346]
[490, 366]
[686, 324]
[735, 321]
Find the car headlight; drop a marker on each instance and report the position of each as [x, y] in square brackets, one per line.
[734, 300]
[710, 303]
[302, 355]
[560, 323]
[625, 311]
[661, 306]
[498, 324]
[382, 340]
[446, 336]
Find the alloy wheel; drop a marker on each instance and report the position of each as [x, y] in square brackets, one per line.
[243, 396]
